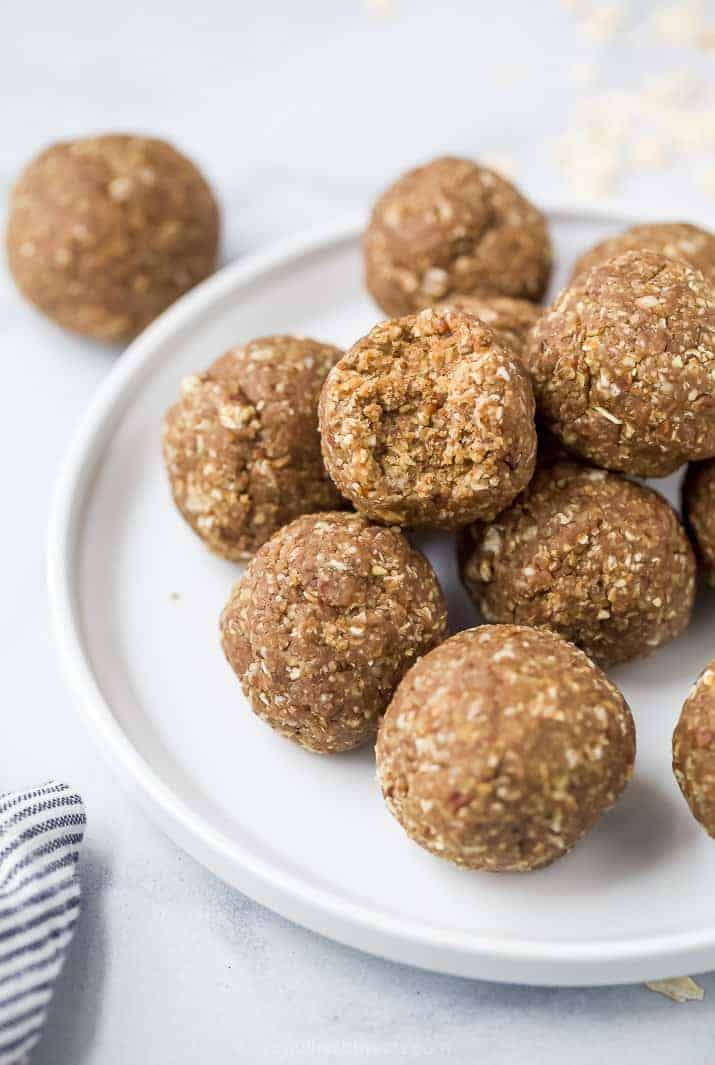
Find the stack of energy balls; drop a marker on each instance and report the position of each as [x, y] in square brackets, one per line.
[472, 410]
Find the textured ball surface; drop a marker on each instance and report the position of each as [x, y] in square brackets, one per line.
[429, 421]
[242, 448]
[503, 747]
[699, 514]
[509, 319]
[679, 240]
[105, 232]
[329, 616]
[598, 559]
[623, 365]
[694, 750]
[452, 227]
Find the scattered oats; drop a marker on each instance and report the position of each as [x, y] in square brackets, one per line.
[381, 9]
[583, 72]
[677, 988]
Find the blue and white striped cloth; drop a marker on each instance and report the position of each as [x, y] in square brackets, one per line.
[40, 836]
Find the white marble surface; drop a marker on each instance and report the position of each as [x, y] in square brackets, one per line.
[298, 113]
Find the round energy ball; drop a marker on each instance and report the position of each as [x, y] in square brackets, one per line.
[503, 747]
[453, 227]
[679, 240]
[623, 365]
[601, 561]
[242, 448]
[429, 421]
[509, 319]
[105, 232]
[699, 513]
[694, 750]
[329, 616]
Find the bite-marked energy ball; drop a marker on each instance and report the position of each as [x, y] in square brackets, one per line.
[699, 513]
[623, 365]
[429, 421]
[509, 319]
[105, 232]
[694, 750]
[451, 227]
[503, 747]
[242, 448]
[600, 560]
[679, 240]
[329, 616]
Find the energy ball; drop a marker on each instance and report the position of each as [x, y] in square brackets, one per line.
[503, 747]
[601, 561]
[329, 616]
[699, 514]
[623, 365]
[679, 240]
[453, 227]
[242, 448]
[105, 232]
[429, 421]
[509, 319]
[694, 750]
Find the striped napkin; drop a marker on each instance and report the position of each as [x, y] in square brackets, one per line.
[40, 836]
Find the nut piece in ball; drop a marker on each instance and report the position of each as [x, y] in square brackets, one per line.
[679, 240]
[623, 365]
[454, 227]
[509, 319]
[503, 747]
[598, 559]
[242, 448]
[694, 750]
[429, 421]
[699, 514]
[105, 232]
[329, 616]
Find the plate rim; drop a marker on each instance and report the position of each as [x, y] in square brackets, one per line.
[401, 939]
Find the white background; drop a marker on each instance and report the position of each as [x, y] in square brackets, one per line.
[298, 113]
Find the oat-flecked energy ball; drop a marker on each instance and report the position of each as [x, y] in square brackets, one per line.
[105, 232]
[699, 513]
[509, 319]
[598, 559]
[329, 616]
[503, 747]
[454, 227]
[623, 365]
[241, 446]
[694, 750]
[679, 240]
[429, 421]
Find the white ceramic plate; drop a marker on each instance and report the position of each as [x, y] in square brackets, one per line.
[136, 600]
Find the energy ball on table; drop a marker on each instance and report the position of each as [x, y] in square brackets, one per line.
[242, 448]
[454, 227]
[598, 559]
[429, 421]
[509, 319]
[699, 513]
[623, 365]
[329, 616]
[679, 240]
[694, 750]
[503, 747]
[105, 232]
